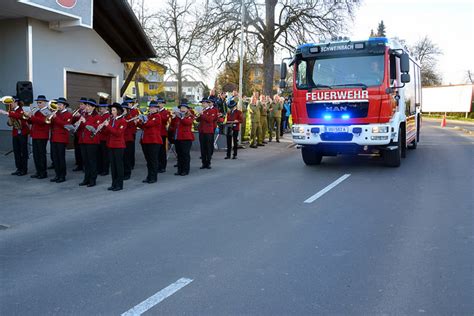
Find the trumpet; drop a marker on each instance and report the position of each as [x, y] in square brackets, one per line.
[49, 118]
[102, 125]
[141, 117]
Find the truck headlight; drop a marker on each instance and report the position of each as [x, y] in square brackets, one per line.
[298, 129]
[380, 129]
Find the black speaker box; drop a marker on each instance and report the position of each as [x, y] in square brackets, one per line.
[24, 91]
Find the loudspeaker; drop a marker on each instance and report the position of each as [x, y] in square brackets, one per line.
[24, 91]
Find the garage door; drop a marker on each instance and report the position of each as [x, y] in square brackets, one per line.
[83, 85]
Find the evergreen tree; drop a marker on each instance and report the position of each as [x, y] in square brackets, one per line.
[381, 29]
[372, 34]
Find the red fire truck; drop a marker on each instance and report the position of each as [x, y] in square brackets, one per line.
[355, 97]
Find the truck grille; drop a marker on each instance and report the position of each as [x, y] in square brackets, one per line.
[354, 109]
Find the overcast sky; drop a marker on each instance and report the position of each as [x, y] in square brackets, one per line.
[449, 23]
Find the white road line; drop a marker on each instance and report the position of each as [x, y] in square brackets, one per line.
[326, 189]
[157, 298]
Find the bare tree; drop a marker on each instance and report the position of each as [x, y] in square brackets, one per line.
[469, 76]
[427, 52]
[274, 24]
[177, 36]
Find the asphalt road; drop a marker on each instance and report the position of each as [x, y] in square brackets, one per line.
[382, 242]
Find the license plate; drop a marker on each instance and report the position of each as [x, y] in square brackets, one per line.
[337, 129]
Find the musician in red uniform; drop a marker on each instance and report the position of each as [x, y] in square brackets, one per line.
[234, 119]
[77, 144]
[60, 139]
[103, 162]
[165, 118]
[40, 136]
[184, 138]
[151, 140]
[130, 150]
[207, 125]
[90, 144]
[115, 131]
[130, 132]
[20, 133]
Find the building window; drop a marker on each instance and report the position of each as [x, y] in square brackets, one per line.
[134, 90]
[153, 73]
[190, 89]
[152, 86]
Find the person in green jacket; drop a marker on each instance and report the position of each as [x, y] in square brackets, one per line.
[275, 118]
[254, 111]
[264, 105]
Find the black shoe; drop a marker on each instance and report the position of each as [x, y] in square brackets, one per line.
[208, 167]
[110, 188]
[43, 176]
[253, 146]
[54, 179]
[34, 175]
[152, 181]
[60, 180]
[177, 174]
[235, 157]
[278, 140]
[77, 169]
[202, 167]
[146, 181]
[268, 141]
[15, 173]
[176, 166]
[22, 173]
[50, 167]
[117, 189]
[261, 145]
[83, 183]
[227, 157]
[162, 171]
[92, 184]
[265, 142]
[183, 174]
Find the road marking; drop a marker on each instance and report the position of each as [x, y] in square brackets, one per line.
[326, 189]
[157, 298]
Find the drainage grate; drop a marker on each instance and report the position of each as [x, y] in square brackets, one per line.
[3, 226]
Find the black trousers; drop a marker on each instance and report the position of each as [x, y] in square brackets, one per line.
[151, 153]
[235, 139]
[39, 156]
[162, 161]
[206, 142]
[116, 166]
[58, 151]
[77, 151]
[20, 151]
[132, 153]
[128, 158]
[103, 162]
[89, 158]
[51, 153]
[183, 148]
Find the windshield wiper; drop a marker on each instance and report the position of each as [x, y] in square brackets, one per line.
[364, 86]
[319, 86]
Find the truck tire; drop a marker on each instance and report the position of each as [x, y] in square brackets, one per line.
[393, 158]
[311, 156]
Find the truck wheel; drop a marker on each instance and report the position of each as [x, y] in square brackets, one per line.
[311, 156]
[393, 157]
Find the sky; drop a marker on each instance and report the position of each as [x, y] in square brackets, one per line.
[449, 24]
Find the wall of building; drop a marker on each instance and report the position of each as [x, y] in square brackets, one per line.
[79, 50]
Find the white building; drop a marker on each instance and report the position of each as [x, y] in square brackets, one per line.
[192, 90]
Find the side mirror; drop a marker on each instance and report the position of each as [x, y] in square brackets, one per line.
[282, 84]
[282, 71]
[404, 63]
[405, 78]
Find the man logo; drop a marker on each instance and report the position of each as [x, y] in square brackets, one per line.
[69, 4]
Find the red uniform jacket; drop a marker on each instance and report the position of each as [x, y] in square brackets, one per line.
[80, 128]
[39, 128]
[115, 133]
[208, 121]
[165, 117]
[184, 128]
[58, 133]
[131, 129]
[102, 134]
[151, 130]
[94, 121]
[235, 115]
[17, 114]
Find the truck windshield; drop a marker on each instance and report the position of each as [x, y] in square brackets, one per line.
[361, 71]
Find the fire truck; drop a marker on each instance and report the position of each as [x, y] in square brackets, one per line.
[355, 97]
